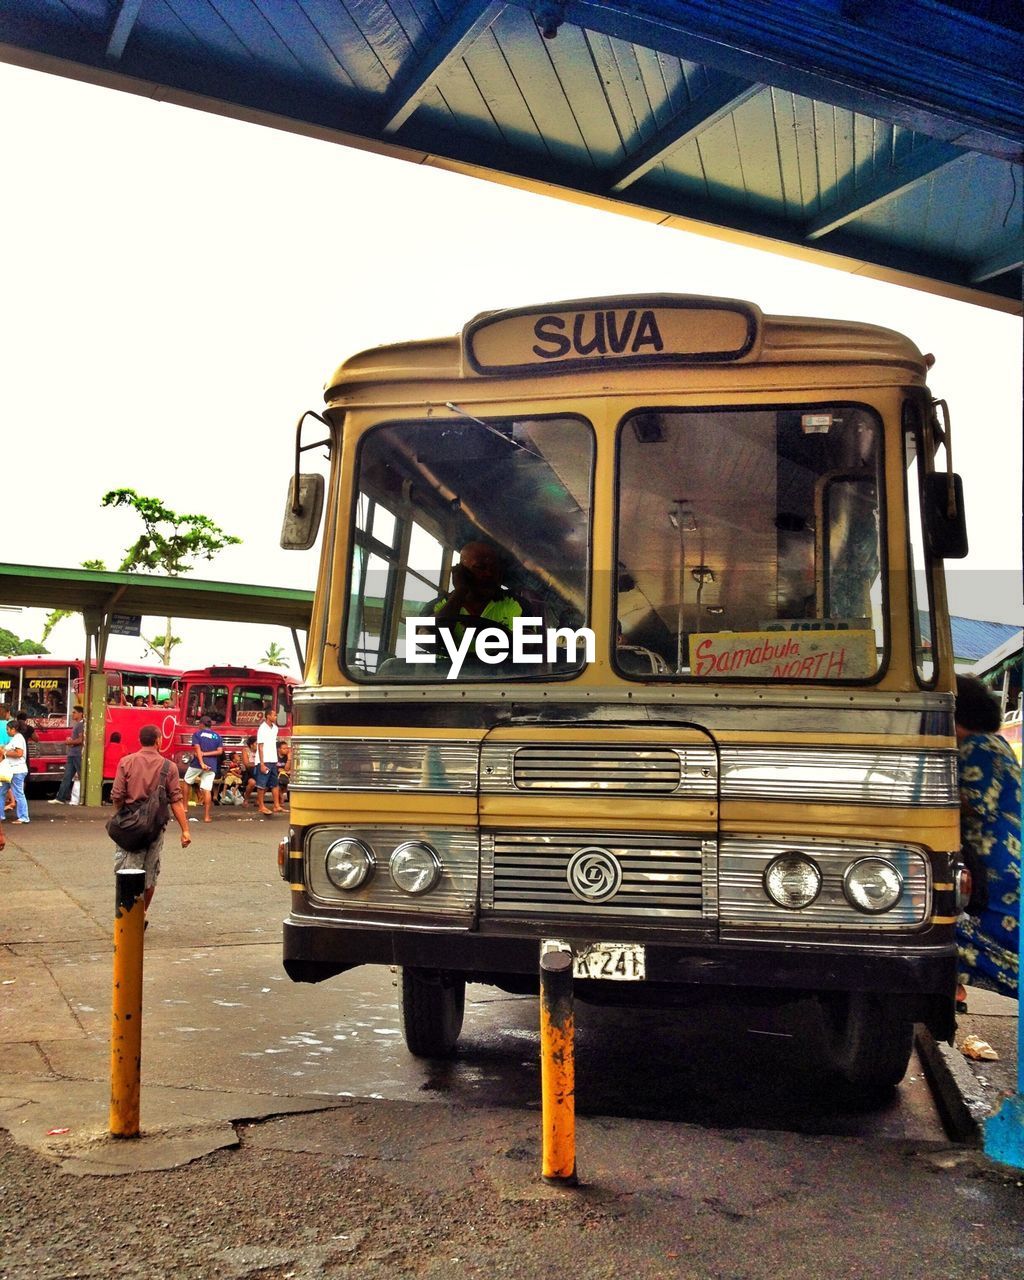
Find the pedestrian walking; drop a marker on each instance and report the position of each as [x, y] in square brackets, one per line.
[266, 765]
[73, 764]
[13, 770]
[139, 776]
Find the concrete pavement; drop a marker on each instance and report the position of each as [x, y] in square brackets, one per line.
[228, 1039]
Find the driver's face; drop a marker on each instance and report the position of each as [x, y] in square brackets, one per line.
[482, 565]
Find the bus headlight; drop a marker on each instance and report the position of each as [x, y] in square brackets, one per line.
[349, 863]
[415, 867]
[792, 881]
[872, 885]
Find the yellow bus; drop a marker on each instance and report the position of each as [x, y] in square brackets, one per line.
[616, 649]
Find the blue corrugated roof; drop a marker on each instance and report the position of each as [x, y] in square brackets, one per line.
[972, 638]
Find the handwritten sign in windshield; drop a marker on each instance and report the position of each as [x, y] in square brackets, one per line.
[785, 655]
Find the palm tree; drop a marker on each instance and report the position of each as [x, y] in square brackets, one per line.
[274, 656]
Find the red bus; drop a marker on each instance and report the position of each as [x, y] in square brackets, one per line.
[48, 687]
[235, 698]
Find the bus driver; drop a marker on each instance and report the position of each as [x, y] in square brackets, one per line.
[476, 592]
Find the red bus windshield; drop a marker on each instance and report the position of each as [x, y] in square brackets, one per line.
[238, 704]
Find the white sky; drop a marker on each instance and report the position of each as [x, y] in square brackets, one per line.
[176, 287]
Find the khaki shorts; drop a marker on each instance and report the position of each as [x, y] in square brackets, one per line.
[204, 777]
[147, 860]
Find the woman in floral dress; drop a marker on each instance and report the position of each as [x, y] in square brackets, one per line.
[988, 937]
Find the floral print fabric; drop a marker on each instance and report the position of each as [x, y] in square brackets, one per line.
[989, 944]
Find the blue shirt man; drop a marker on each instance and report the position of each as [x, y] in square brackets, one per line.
[208, 747]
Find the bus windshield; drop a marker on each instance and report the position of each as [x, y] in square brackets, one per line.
[44, 691]
[246, 702]
[426, 491]
[738, 528]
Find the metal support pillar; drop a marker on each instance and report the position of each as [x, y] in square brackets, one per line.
[94, 696]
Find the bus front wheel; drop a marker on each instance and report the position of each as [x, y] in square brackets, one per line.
[433, 1004]
[868, 1041]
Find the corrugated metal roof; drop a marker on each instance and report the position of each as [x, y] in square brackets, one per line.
[883, 136]
[972, 638]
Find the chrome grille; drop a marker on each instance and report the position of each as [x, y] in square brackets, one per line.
[663, 877]
[578, 767]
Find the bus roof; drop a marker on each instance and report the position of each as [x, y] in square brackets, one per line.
[594, 335]
[236, 673]
[56, 660]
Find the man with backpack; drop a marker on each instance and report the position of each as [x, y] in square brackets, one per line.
[146, 792]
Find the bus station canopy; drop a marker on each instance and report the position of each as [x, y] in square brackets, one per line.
[153, 595]
[880, 137]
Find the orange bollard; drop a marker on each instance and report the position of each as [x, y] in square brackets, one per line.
[557, 1069]
[126, 1016]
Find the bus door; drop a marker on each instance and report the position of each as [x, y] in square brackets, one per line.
[604, 837]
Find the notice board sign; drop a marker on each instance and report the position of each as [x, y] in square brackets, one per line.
[784, 655]
[125, 624]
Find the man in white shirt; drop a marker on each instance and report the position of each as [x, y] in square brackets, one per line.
[266, 765]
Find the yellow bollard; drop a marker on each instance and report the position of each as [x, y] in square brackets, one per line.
[126, 1017]
[557, 1069]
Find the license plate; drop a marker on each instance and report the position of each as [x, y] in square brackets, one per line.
[612, 961]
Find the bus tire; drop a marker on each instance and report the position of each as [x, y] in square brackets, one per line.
[868, 1041]
[433, 1005]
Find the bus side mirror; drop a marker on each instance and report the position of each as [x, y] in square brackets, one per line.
[944, 524]
[303, 512]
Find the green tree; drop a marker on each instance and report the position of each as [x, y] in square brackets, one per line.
[160, 645]
[169, 543]
[11, 645]
[274, 656]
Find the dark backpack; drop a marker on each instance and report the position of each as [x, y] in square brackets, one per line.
[135, 826]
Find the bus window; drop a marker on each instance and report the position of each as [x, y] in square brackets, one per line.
[737, 527]
[207, 700]
[425, 491]
[248, 702]
[44, 692]
[163, 690]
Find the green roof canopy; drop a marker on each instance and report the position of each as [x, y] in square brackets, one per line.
[153, 595]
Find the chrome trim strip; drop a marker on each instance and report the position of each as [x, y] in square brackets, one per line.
[717, 711]
[885, 777]
[843, 775]
[696, 696]
[880, 777]
[383, 764]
